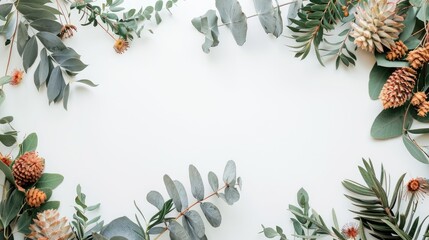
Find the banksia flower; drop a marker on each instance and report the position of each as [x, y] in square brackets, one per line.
[49, 226]
[350, 230]
[418, 98]
[28, 169]
[17, 76]
[121, 45]
[35, 197]
[398, 88]
[423, 109]
[397, 52]
[6, 160]
[417, 187]
[376, 25]
[418, 57]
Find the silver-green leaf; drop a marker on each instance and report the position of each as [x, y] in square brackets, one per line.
[233, 17]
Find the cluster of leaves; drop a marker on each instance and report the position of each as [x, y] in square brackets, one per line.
[8, 136]
[83, 226]
[307, 223]
[15, 214]
[233, 17]
[382, 212]
[392, 123]
[192, 227]
[123, 23]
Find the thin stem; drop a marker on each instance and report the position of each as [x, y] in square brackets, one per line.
[257, 14]
[11, 45]
[99, 24]
[62, 12]
[182, 213]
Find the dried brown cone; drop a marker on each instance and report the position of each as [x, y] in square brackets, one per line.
[35, 197]
[418, 98]
[398, 88]
[397, 52]
[28, 169]
[418, 57]
[423, 109]
[49, 226]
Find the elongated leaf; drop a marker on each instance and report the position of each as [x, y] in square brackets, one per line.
[30, 53]
[6, 120]
[233, 17]
[7, 172]
[389, 123]
[43, 66]
[178, 231]
[56, 81]
[24, 221]
[196, 223]
[207, 25]
[173, 192]
[155, 198]
[73, 65]
[87, 82]
[213, 181]
[49, 180]
[29, 144]
[197, 185]
[121, 227]
[182, 194]
[231, 195]
[269, 17]
[46, 25]
[293, 10]
[212, 213]
[51, 41]
[415, 150]
[12, 207]
[7, 139]
[229, 174]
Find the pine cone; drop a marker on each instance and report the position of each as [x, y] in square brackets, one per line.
[376, 25]
[397, 52]
[398, 88]
[423, 109]
[49, 226]
[418, 57]
[35, 197]
[418, 98]
[28, 169]
[6, 160]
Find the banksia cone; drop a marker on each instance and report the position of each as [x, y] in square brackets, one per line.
[398, 88]
[35, 197]
[376, 25]
[423, 109]
[418, 98]
[418, 57]
[49, 226]
[28, 169]
[397, 52]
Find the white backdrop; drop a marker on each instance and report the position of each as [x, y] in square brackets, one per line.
[165, 104]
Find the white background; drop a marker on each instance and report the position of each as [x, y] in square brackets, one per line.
[165, 104]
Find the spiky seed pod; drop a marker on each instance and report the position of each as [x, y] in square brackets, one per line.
[418, 98]
[35, 197]
[49, 226]
[28, 169]
[376, 25]
[418, 57]
[397, 52]
[423, 109]
[398, 88]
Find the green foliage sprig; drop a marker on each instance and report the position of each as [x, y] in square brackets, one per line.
[381, 211]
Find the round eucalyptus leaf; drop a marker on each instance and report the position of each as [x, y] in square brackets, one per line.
[389, 123]
[212, 213]
[207, 25]
[233, 17]
[155, 198]
[182, 194]
[196, 222]
[229, 174]
[197, 185]
[213, 181]
[173, 192]
[177, 231]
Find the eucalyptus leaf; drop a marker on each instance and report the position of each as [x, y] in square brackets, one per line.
[51, 41]
[121, 227]
[212, 213]
[229, 174]
[66, 96]
[87, 82]
[2, 96]
[231, 195]
[409, 22]
[173, 192]
[7, 139]
[24, 221]
[213, 181]
[49, 180]
[377, 78]
[182, 194]
[383, 62]
[196, 223]
[49, 205]
[197, 185]
[5, 80]
[6, 120]
[12, 206]
[415, 150]
[389, 123]
[5, 9]
[73, 65]
[46, 25]
[44, 70]
[29, 144]
[269, 17]
[55, 84]
[7, 171]
[22, 37]
[234, 18]
[207, 25]
[293, 10]
[178, 231]
[155, 198]
[29, 54]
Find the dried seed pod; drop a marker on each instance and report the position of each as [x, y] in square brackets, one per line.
[398, 88]
[397, 52]
[28, 169]
[35, 197]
